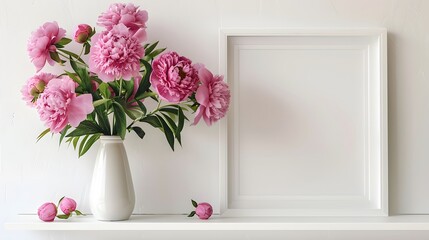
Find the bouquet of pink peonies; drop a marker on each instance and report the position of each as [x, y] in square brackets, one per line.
[113, 77]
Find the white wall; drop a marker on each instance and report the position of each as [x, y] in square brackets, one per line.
[31, 173]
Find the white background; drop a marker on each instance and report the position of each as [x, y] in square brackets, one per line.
[31, 174]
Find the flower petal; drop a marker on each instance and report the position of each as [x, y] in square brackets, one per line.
[141, 34]
[203, 95]
[198, 114]
[205, 75]
[78, 108]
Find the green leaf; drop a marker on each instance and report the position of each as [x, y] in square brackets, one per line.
[170, 123]
[167, 131]
[152, 120]
[149, 49]
[195, 204]
[63, 216]
[115, 87]
[153, 54]
[89, 143]
[73, 55]
[69, 140]
[58, 45]
[41, 135]
[129, 87]
[92, 32]
[101, 101]
[134, 112]
[82, 144]
[180, 124]
[120, 120]
[145, 83]
[79, 213]
[73, 76]
[83, 75]
[191, 214]
[144, 95]
[172, 111]
[131, 113]
[64, 132]
[91, 116]
[64, 41]
[86, 127]
[179, 138]
[139, 132]
[59, 201]
[104, 90]
[56, 57]
[142, 107]
[169, 110]
[87, 47]
[194, 107]
[102, 118]
[181, 121]
[75, 140]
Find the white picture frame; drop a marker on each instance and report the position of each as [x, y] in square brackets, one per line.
[264, 174]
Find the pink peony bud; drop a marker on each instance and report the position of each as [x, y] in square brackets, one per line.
[83, 32]
[204, 210]
[47, 212]
[67, 205]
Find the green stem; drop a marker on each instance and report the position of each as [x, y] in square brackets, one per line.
[67, 57]
[156, 109]
[62, 54]
[113, 127]
[81, 51]
[120, 87]
[159, 104]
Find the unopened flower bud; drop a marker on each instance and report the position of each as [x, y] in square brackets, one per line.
[47, 212]
[83, 32]
[202, 210]
[67, 205]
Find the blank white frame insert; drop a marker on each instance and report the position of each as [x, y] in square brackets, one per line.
[306, 134]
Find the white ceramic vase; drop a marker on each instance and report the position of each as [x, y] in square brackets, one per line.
[112, 195]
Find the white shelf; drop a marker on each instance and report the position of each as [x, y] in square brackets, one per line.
[217, 223]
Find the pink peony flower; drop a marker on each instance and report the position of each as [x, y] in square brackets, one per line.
[204, 210]
[82, 33]
[58, 105]
[127, 14]
[47, 212]
[34, 87]
[174, 77]
[213, 96]
[43, 41]
[67, 205]
[116, 54]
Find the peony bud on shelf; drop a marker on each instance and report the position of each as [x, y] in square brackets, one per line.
[47, 212]
[202, 210]
[67, 205]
